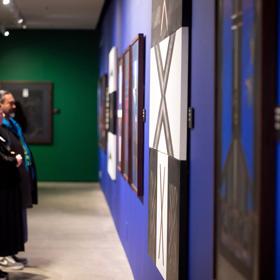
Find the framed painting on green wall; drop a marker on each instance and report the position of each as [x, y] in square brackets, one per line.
[34, 109]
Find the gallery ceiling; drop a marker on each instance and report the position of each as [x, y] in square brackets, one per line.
[50, 14]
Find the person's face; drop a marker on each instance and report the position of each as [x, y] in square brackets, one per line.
[8, 105]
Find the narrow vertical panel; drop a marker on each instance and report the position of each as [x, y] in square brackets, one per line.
[162, 213]
[174, 185]
[112, 139]
[112, 155]
[152, 205]
[112, 114]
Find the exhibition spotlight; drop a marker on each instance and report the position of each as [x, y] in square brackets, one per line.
[20, 21]
[6, 33]
[6, 2]
[24, 26]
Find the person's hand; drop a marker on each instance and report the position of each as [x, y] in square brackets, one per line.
[19, 160]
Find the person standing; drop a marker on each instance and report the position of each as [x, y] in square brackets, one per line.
[27, 171]
[11, 219]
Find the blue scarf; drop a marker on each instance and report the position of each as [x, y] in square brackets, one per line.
[16, 129]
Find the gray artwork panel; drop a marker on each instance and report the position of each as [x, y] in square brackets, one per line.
[167, 17]
[177, 219]
[172, 239]
[152, 205]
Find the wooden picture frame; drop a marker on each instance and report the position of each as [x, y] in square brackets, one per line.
[137, 113]
[126, 122]
[34, 111]
[245, 170]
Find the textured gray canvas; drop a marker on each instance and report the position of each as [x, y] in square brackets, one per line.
[152, 205]
[167, 17]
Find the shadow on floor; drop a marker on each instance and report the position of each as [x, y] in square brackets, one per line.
[26, 276]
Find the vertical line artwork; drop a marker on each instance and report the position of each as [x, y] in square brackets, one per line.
[168, 132]
[162, 190]
[163, 75]
[152, 205]
[174, 175]
[162, 213]
[168, 99]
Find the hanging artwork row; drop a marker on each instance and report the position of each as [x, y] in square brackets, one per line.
[168, 137]
[125, 128]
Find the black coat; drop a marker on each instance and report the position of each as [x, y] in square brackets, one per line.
[27, 183]
[29, 188]
[11, 223]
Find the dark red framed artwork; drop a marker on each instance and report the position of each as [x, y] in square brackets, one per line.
[126, 124]
[137, 113]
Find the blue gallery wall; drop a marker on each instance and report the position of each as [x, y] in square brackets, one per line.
[202, 141]
[123, 20]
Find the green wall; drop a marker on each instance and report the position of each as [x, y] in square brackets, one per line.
[69, 60]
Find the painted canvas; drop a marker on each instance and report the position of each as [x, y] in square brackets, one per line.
[112, 91]
[168, 136]
[167, 17]
[237, 213]
[169, 99]
[34, 109]
[168, 212]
